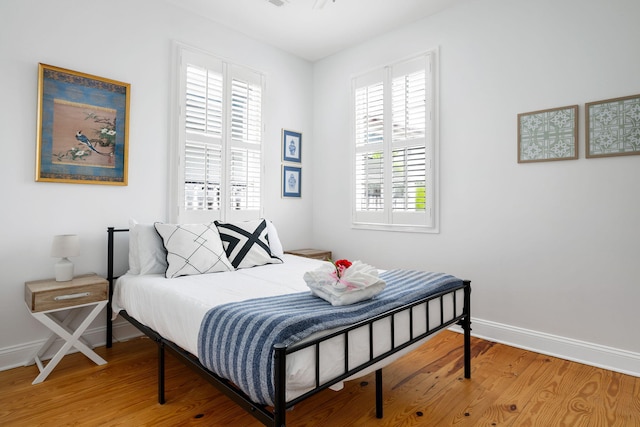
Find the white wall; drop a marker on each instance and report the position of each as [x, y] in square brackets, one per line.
[129, 41]
[551, 248]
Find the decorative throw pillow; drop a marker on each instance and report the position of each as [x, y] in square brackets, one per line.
[246, 243]
[192, 249]
[134, 262]
[274, 241]
[146, 251]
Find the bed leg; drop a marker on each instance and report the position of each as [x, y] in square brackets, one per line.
[161, 399]
[466, 325]
[379, 393]
[110, 231]
[280, 383]
[109, 326]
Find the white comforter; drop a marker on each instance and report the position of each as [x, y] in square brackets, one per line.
[175, 308]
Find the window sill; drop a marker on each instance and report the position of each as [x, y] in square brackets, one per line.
[396, 228]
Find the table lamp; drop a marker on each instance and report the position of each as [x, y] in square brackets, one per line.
[63, 247]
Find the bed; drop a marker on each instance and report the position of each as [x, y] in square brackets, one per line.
[303, 352]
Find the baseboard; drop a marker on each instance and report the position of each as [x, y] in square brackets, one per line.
[19, 355]
[600, 356]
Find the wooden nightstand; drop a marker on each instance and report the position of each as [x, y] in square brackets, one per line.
[311, 253]
[87, 294]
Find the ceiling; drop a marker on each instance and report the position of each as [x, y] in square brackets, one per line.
[314, 29]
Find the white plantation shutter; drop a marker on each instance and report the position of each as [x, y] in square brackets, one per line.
[203, 101]
[409, 103]
[220, 134]
[202, 176]
[408, 179]
[394, 146]
[246, 140]
[203, 139]
[369, 114]
[244, 179]
[369, 181]
[409, 100]
[369, 135]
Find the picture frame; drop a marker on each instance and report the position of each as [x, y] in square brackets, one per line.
[291, 146]
[548, 135]
[291, 181]
[82, 134]
[612, 127]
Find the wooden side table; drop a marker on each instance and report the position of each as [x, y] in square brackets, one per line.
[311, 253]
[87, 294]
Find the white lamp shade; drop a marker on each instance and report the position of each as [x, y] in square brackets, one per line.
[65, 245]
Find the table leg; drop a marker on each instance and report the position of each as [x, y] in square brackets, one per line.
[52, 337]
[72, 340]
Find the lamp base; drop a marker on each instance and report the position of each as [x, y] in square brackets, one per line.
[63, 270]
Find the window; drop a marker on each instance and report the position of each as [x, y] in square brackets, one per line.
[395, 146]
[219, 170]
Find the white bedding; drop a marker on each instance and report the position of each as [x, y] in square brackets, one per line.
[175, 308]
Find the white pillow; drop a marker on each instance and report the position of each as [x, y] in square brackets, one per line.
[192, 249]
[134, 263]
[246, 244]
[274, 241]
[146, 251]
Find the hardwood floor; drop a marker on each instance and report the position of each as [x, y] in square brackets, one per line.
[509, 387]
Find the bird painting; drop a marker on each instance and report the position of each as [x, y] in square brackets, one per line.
[83, 139]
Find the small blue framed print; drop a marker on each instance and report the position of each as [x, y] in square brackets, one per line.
[291, 146]
[291, 181]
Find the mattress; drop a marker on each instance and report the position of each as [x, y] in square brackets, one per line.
[176, 307]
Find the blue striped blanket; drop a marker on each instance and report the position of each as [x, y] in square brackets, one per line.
[236, 339]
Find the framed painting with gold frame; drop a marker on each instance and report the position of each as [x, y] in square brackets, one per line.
[82, 134]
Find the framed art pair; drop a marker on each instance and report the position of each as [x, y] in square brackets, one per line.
[612, 128]
[291, 153]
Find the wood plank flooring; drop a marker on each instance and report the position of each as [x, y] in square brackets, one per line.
[509, 387]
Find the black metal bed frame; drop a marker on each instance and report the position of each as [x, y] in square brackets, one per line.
[276, 416]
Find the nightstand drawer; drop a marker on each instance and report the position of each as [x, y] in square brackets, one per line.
[45, 295]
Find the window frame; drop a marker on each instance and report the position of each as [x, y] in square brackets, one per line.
[181, 55]
[388, 220]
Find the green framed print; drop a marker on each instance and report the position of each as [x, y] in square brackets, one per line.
[547, 135]
[82, 134]
[613, 127]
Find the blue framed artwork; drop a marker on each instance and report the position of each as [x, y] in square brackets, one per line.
[82, 134]
[547, 135]
[291, 181]
[291, 146]
[613, 127]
